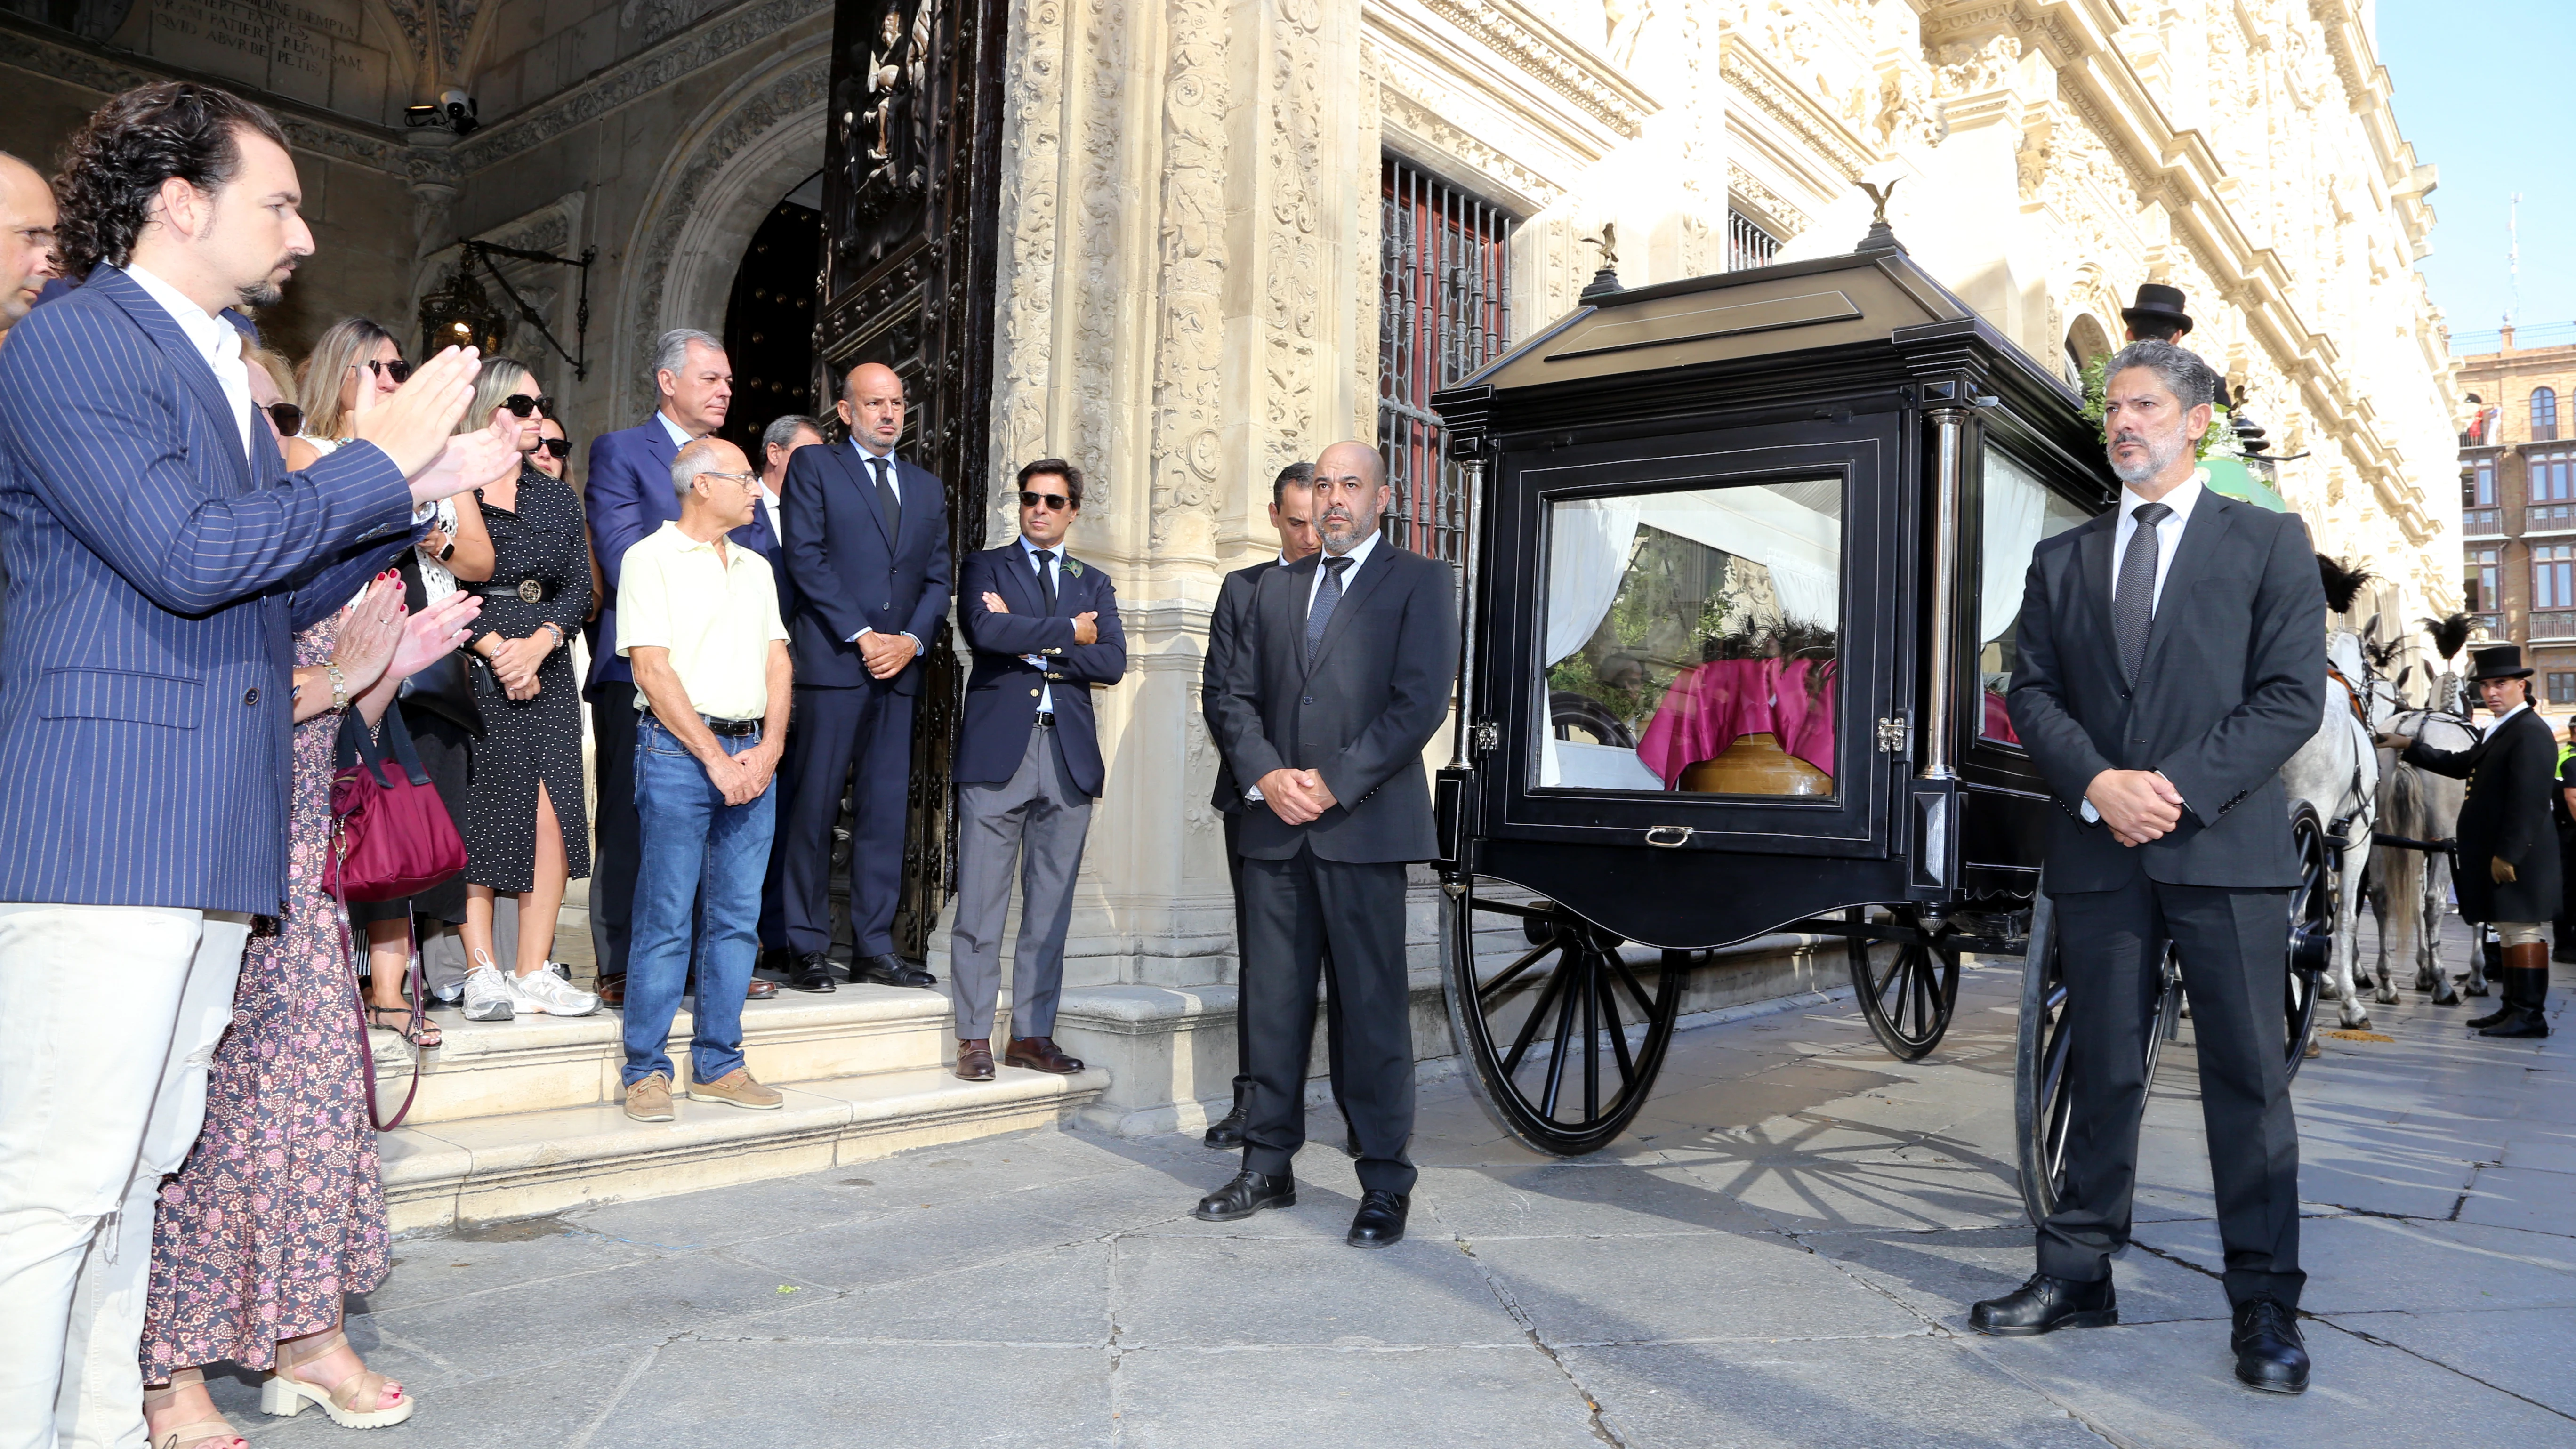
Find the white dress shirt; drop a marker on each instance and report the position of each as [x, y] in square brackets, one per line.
[2168, 533]
[2168, 539]
[769, 505]
[1055, 576]
[217, 340]
[680, 437]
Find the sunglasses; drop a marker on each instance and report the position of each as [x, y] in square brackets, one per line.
[1054, 502]
[555, 447]
[397, 369]
[520, 405]
[288, 417]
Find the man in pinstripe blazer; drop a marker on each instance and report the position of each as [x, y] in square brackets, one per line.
[162, 558]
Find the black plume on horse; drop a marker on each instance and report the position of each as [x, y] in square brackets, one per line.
[2343, 583]
[2449, 634]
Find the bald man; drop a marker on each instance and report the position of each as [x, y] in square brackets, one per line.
[867, 552]
[26, 260]
[1340, 677]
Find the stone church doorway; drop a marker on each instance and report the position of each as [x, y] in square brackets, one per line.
[769, 318]
[911, 178]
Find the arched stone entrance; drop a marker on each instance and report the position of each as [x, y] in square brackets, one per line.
[769, 319]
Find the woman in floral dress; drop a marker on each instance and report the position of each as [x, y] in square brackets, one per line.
[280, 1210]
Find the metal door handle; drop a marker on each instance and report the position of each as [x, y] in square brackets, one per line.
[1670, 837]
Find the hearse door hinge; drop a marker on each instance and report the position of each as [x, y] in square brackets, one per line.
[1891, 734]
[1485, 736]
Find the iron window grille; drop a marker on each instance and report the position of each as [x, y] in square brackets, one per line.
[1747, 244]
[1443, 313]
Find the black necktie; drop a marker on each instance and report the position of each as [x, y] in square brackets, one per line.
[1319, 615]
[2133, 612]
[1046, 577]
[887, 502]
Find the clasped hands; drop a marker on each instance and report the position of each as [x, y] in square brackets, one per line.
[2138, 805]
[1086, 625]
[741, 778]
[1296, 796]
[885, 654]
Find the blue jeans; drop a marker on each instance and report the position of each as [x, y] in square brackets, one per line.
[692, 846]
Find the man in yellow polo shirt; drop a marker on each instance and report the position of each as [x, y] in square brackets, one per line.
[697, 619]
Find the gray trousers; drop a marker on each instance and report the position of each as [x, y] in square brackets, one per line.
[1039, 819]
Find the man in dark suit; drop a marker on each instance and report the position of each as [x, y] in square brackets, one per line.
[2509, 865]
[627, 495]
[1292, 496]
[778, 443]
[163, 559]
[2172, 658]
[1044, 627]
[1341, 679]
[867, 553]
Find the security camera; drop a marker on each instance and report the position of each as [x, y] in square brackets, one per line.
[453, 111]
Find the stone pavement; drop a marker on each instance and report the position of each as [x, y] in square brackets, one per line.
[1782, 1253]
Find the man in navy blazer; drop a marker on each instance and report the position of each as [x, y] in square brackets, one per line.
[867, 551]
[162, 559]
[779, 441]
[628, 497]
[1044, 627]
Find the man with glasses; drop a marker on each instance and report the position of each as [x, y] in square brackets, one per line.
[709, 654]
[627, 496]
[867, 550]
[1044, 627]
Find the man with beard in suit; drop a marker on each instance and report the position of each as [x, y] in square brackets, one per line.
[867, 554]
[1343, 676]
[2159, 697]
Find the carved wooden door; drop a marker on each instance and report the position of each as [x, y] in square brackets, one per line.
[911, 173]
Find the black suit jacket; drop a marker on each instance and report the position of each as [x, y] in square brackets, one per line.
[2512, 775]
[2233, 683]
[1359, 713]
[1226, 628]
[850, 576]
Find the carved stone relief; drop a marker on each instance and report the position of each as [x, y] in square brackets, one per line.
[1191, 248]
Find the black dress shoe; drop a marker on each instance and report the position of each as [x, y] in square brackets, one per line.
[1380, 1221]
[2044, 1305]
[1249, 1193]
[813, 973]
[1225, 1134]
[2269, 1352]
[776, 959]
[888, 969]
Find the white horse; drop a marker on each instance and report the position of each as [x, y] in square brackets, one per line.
[2410, 889]
[2337, 772]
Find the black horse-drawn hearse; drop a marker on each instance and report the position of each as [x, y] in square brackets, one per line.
[1742, 572]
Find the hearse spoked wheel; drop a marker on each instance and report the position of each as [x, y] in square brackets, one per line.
[1563, 1034]
[1906, 977]
[2043, 1053]
[2312, 923]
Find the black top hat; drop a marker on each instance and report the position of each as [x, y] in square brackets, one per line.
[2160, 306]
[2497, 661]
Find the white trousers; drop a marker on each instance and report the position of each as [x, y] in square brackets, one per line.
[109, 1017]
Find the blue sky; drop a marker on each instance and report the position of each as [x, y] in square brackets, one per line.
[2468, 77]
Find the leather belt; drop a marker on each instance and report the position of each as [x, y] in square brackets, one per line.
[728, 728]
[1046, 719]
[526, 591]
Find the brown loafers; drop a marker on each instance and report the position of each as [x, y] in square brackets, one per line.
[975, 1060]
[1039, 1054]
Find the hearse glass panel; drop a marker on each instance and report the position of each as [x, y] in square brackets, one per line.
[2017, 513]
[1692, 642]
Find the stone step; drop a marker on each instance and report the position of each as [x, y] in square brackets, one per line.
[542, 1063]
[530, 1163]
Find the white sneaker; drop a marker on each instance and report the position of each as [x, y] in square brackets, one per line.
[488, 996]
[546, 994]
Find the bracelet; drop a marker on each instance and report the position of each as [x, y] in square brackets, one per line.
[559, 633]
[339, 686]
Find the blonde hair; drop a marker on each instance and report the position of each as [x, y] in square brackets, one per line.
[344, 346]
[500, 377]
[279, 370]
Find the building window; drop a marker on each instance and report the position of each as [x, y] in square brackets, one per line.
[2553, 576]
[2483, 595]
[1747, 244]
[2544, 414]
[2552, 477]
[2562, 686]
[1441, 316]
[2477, 487]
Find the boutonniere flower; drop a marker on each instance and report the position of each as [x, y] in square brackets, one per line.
[1073, 566]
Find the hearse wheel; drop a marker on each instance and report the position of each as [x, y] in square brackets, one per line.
[1562, 1033]
[1906, 977]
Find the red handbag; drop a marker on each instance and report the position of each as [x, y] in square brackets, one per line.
[390, 833]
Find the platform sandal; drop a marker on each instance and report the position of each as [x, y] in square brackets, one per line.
[283, 1395]
[416, 1027]
[214, 1433]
